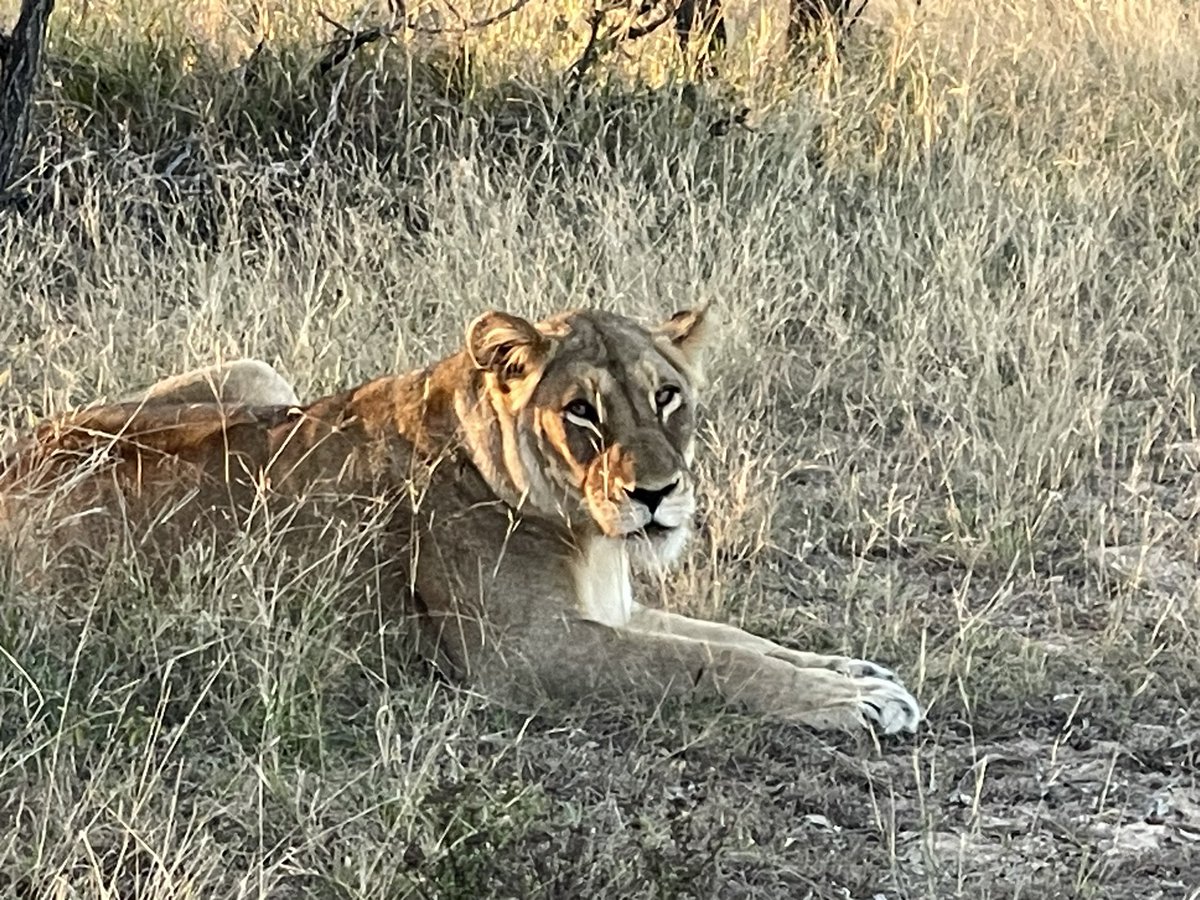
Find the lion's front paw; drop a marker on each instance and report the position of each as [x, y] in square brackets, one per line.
[863, 668]
[888, 705]
[843, 665]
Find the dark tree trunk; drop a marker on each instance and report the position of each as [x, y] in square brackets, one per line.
[20, 62]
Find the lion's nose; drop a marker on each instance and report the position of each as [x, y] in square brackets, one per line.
[651, 498]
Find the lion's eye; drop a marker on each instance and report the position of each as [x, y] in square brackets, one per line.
[581, 413]
[667, 399]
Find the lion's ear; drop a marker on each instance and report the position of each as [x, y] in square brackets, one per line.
[688, 331]
[509, 346]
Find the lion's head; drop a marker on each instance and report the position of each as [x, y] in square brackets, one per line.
[591, 416]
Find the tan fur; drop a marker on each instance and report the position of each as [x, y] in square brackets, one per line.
[241, 381]
[518, 479]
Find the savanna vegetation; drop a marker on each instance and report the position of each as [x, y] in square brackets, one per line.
[953, 425]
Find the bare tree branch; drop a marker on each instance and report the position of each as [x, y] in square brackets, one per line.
[600, 39]
[640, 31]
[591, 51]
[478, 23]
[352, 41]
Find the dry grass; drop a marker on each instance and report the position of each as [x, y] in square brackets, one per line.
[953, 426]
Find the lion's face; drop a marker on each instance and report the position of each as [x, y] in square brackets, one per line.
[605, 419]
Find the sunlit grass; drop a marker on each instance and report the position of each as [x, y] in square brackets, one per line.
[950, 427]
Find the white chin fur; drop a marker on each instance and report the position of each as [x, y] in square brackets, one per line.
[659, 550]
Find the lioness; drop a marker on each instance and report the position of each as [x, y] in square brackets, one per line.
[518, 477]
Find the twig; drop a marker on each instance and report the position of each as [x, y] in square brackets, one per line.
[338, 26]
[475, 25]
[590, 51]
[454, 11]
[669, 11]
[622, 32]
[352, 41]
[854, 18]
[845, 25]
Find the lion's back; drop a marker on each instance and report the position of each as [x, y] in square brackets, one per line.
[94, 479]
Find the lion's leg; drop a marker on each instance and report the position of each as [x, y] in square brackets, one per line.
[578, 658]
[657, 621]
[248, 381]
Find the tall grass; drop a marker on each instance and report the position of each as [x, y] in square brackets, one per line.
[952, 426]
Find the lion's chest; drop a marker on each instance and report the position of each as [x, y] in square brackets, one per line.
[603, 590]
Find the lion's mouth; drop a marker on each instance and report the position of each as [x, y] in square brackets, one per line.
[652, 531]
